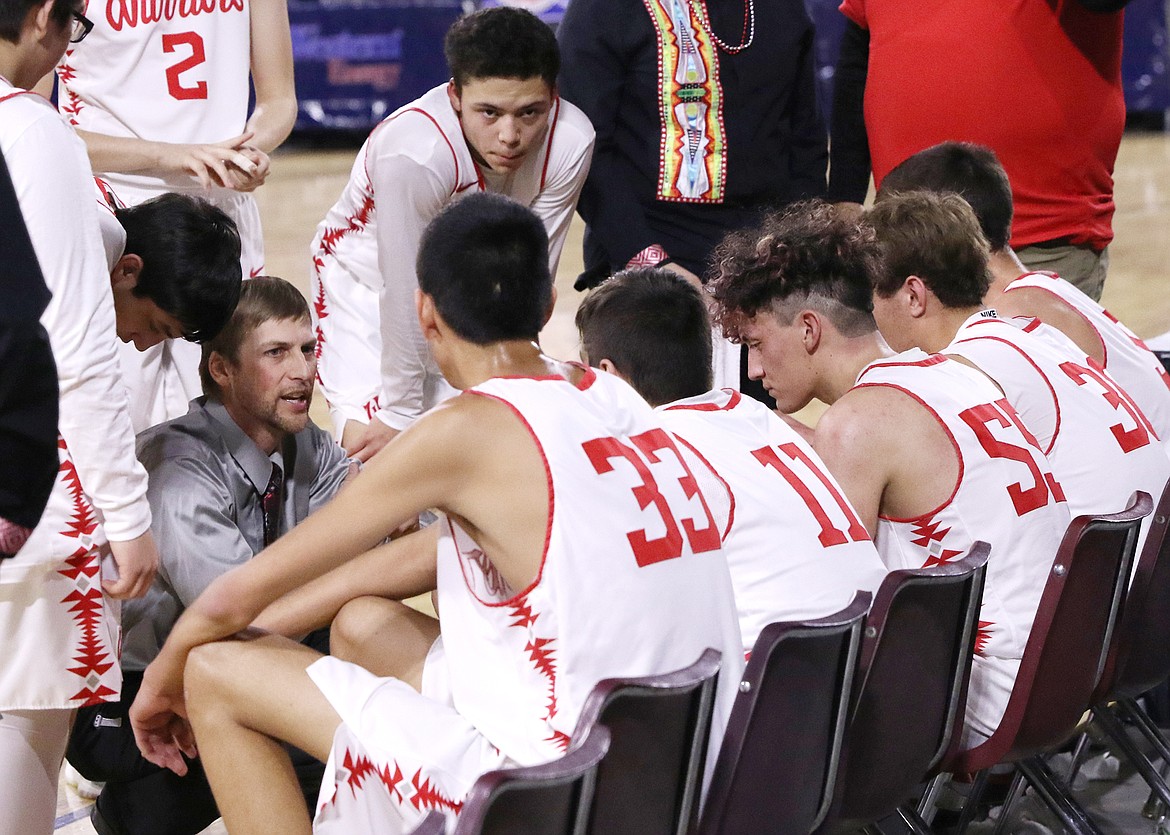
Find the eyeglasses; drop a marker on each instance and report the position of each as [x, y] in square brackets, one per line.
[82, 26]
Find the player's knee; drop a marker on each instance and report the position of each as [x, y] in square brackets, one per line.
[361, 621]
[206, 673]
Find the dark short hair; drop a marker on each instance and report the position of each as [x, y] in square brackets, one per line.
[262, 299]
[14, 12]
[935, 237]
[484, 261]
[190, 253]
[501, 42]
[653, 326]
[971, 171]
[807, 255]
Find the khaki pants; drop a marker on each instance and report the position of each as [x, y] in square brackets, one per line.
[1078, 265]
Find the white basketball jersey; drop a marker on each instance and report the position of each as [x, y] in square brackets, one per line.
[163, 70]
[1100, 444]
[796, 548]
[632, 581]
[1127, 359]
[1006, 495]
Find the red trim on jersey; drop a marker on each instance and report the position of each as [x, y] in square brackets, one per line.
[552, 129]
[732, 402]
[1032, 325]
[933, 359]
[587, 379]
[551, 505]
[715, 472]
[1022, 353]
[1066, 303]
[19, 93]
[439, 128]
[945, 428]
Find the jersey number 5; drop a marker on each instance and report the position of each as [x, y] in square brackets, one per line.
[981, 418]
[173, 43]
[602, 452]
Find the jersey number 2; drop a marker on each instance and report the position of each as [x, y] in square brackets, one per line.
[172, 43]
[603, 451]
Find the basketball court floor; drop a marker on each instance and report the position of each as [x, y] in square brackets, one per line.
[305, 182]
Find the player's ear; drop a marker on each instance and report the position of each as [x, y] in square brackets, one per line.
[552, 303]
[126, 272]
[811, 330]
[453, 95]
[914, 292]
[424, 306]
[40, 20]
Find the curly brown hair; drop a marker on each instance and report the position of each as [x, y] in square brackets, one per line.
[808, 254]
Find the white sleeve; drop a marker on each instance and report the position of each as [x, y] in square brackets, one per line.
[55, 188]
[408, 192]
[558, 199]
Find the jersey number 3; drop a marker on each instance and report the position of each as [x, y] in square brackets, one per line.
[179, 42]
[602, 452]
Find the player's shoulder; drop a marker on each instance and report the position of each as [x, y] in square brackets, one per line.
[22, 111]
[573, 127]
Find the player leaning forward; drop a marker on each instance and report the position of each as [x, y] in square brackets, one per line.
[497, 126]
[544, 563]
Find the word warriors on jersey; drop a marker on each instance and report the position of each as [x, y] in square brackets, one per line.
[134, 12]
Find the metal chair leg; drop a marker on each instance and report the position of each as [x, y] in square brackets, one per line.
[972, 804]
[1140, 761]
[927, 806]
[1078, 758]
[913, 820]
[1014, 792]
[1057, 797]
[1129, 709]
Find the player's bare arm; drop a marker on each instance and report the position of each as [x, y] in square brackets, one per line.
[1052, 310]
[396, 570]
[220, 164]
[432, 464]
[888, 453]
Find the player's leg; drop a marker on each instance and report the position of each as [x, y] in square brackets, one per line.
[242, 697]
[386, 637]
[32, 747]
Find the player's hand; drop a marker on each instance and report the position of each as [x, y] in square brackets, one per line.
[137, 560]
[370, 442]
[253, 179]
[216, 164]
[160, 729]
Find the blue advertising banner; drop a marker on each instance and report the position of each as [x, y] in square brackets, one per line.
[359, 60]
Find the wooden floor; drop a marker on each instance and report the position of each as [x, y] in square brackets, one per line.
[306, 182]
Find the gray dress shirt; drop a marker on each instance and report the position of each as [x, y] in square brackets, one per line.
[206, 482]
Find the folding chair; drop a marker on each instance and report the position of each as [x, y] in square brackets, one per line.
[649, 781]
[1139, 658]
[548, 799]
[909, 690]
[1062, 662]
[775, 770]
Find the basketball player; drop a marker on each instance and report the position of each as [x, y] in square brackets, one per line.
[795, 546]
[974, 173]
[546, 567]
[58, 610]
[159, 92]
[929, 296]
[498, 125]
[926, 449]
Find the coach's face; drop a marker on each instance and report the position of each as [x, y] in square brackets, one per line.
[504, 119]
[269, 388]
[778, 356]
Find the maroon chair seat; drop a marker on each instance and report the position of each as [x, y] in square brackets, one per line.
[1063, 659]
[776, 767]
[910, 688]
[548, 799]
[659, 725]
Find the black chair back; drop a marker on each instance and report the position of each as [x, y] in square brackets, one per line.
[776, 767]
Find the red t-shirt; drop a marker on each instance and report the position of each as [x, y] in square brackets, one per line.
[1038, 81]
